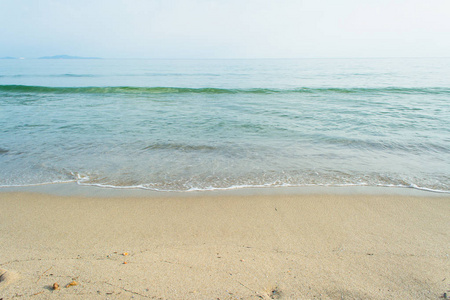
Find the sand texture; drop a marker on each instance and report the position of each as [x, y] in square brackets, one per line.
[224, 247]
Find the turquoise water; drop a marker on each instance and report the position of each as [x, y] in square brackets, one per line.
[177, 125]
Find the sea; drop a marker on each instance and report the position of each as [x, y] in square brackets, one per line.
[194, 125]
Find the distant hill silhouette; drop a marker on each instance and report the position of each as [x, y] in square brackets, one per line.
[8, 57]
[67, 57]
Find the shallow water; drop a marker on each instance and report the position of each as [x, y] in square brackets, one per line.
[219, 124]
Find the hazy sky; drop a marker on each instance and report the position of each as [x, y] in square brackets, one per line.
[225, 28]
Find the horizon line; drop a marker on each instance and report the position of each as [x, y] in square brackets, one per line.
[216, 58]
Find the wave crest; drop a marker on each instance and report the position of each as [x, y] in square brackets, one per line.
[212, 90]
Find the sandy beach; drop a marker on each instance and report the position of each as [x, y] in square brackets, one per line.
[216, 246]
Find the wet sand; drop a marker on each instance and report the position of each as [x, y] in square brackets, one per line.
[216, 246]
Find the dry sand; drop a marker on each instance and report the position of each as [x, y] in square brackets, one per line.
[224, 247]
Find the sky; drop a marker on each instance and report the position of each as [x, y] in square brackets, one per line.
[225, 28]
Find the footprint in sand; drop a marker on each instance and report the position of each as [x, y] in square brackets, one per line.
[6, 277]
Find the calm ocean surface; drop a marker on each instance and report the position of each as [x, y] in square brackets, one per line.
[178, 125]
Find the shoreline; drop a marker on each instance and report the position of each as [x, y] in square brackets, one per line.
[281, 244]
[75, 189]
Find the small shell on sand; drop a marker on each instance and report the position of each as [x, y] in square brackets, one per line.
[55, 286]
[125, 253]
[71, 284]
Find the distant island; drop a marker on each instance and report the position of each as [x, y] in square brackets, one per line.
[67, 57]
[8, 57]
